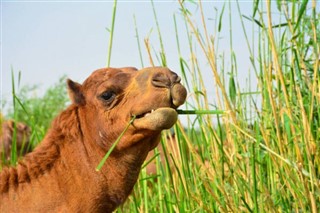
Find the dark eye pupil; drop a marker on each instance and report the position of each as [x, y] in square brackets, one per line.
[107, 95]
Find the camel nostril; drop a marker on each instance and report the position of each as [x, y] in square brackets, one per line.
[161, 80]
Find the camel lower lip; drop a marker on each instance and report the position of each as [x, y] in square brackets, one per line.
[159, 119]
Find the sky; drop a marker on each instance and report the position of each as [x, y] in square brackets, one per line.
[48, 39]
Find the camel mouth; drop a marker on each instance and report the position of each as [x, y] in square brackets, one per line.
[156, 119]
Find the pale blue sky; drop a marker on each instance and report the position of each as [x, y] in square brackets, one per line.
[48, 39]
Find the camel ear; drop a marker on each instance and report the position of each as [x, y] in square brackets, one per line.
[75, 92]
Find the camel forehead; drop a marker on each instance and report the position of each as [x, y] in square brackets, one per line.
[111, 75]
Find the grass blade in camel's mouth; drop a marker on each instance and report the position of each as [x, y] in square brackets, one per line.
[158, 119]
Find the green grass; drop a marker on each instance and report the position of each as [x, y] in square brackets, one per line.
[254, 149]
[35, 111]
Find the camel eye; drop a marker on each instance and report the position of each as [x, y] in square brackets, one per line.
[108, 96]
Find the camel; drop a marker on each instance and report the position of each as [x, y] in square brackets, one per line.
[60, 176]
[22, 136]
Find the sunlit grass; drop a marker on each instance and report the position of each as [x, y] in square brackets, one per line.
[227, 161]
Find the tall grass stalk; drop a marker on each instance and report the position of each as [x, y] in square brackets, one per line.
[162, 52]
[14, 135]
[138, 40]
[111, 31]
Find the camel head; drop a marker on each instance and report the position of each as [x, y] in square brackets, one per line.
[109, 98]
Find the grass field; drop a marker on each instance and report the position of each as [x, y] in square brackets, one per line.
[254, 149]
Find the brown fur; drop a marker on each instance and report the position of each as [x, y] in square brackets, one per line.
[22, 135]
[59, 175]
